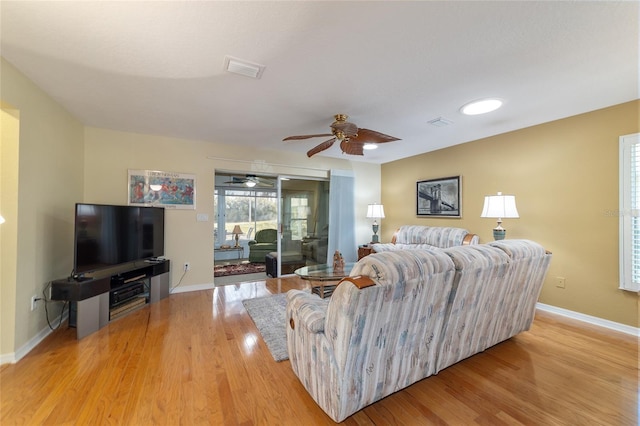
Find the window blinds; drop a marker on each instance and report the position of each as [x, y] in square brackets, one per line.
[629, 213]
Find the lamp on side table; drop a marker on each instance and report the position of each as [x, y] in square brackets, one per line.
[500, 207]
[375, 211]
[237, 231]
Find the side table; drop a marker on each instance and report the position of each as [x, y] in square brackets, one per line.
[239, 249]
[364, 250]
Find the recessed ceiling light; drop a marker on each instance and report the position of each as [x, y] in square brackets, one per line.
[481, 106]
[370, 146]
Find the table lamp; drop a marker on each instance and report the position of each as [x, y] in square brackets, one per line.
[499, 207]
[375, 211]
[237, 231]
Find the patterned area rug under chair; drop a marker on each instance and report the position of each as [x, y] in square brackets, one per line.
[239, 269]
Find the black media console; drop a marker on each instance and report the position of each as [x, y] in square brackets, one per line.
[108, 295]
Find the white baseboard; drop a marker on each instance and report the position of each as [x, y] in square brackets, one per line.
[8, 358]
[627, 329]
[14, 357]
[196, 287]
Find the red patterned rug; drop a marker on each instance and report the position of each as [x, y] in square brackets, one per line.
[243, 268]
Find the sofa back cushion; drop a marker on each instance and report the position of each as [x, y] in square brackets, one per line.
[267, 236]
[528, 266]
[384, 337]
[494, 296]
[437, 236]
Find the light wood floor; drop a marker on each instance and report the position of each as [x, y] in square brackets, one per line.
[197, 358]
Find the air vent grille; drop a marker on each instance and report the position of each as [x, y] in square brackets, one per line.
[440, 122]
[242, 67]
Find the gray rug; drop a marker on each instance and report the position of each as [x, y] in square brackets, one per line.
[269, 315]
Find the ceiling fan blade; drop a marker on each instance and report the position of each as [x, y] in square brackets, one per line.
[352, 147]
[300, 137]
[371, 136]
[319, 148]
[236, 180]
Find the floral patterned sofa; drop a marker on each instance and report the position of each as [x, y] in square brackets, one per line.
[404, 315]
[427, 237]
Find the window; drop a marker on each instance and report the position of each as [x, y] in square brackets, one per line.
[630, 212]
[250, 209]
[299, 215]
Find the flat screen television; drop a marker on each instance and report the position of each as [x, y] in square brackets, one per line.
[111, 235]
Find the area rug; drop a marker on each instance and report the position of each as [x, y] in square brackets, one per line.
[243, 268]
[269, 315]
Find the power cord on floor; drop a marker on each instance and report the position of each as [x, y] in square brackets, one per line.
[46, 310]
[179, 281]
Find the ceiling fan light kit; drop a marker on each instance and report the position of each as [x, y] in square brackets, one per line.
[250, 181]
[352, 139]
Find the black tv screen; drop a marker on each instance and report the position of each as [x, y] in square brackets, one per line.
[110, 235]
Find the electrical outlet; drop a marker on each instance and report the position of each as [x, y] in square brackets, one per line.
[187, 266]
[560, 282]
[34, 302]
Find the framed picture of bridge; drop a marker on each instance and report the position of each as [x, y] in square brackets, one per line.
[440, 197]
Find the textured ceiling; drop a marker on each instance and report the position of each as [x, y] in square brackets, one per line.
[157, 67]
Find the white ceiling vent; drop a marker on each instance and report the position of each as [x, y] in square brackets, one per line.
[440, 122]
[242, 67]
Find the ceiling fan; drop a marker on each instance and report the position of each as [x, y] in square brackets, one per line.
[251, 181]
[352, 139]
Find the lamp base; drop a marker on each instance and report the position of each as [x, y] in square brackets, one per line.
[499, 233]
[374, 237]
[237, 242]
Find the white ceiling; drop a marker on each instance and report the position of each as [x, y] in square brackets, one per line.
[157, 67]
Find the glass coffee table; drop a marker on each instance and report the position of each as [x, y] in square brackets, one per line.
[320, 275]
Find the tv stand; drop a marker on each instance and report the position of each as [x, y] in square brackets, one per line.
[107, 295]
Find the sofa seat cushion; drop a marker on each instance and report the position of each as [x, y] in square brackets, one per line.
[288, 256]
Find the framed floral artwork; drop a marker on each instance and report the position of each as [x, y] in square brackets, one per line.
[163, 189]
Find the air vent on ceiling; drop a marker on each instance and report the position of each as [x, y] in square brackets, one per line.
[440, 122]
[242, 67]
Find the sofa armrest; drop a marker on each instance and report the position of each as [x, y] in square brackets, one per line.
[310, 311]
[252, 242]
[470, 239]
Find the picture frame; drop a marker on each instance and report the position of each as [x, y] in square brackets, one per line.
[441, 197]
[162, 189]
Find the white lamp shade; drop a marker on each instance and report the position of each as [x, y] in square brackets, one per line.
[237, 230]
[500, 206]
[375, 211]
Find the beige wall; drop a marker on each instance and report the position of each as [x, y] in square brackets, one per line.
[564, 175]
[9, 131]
[49, 181]
[109, 154]
[54, 172]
